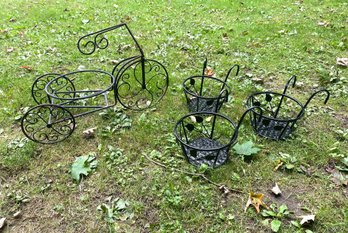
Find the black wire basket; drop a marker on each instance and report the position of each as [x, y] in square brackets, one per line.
[280, 112]
[206, 93]
[206, 137]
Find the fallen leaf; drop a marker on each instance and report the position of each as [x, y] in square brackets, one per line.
[85, 21]
[323, 23]
[89, 133]
[276, 190]
[249, 74]
[255, 199]
[83, 165]
[339, 179]
[126, 19]
[307, 219]
[257, 80]
[81, 67]
[342, 61]
[28, 68]
[246, 148]
[10, 50]
[13, 20]
[280, 163]
[114, 62]
[17, 214]
[209, 71]
[2, 222]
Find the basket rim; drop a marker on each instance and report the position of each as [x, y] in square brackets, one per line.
[205, 97]
[77, 72]
[299, 116]
[232, 140]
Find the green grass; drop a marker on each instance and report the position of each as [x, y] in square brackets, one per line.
[271, 40]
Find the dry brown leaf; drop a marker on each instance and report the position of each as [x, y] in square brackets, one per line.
[2, 222]
[255, 199]
[209, 71]
[28, 68]
[257, 80]
[307, 219]
[342, 61]
[89, 133]
[276, 190]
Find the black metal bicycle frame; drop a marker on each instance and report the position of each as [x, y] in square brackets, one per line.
[96, 44]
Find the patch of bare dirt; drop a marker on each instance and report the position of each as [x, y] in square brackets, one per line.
[343, 118]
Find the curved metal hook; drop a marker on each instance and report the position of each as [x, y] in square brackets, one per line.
[228, 74]
[93, 43]
[221, 97]
[314, 94]
[241, 119]
[288, 83]
[292, 78]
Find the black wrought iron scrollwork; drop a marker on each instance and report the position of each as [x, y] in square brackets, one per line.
[48, 124]
[38, 88]
[141, 83]
[138, 83]
[88, 44]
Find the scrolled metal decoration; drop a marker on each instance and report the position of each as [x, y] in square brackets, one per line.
[141, 83]
[48, 123]
[138, 83]
[38, 88]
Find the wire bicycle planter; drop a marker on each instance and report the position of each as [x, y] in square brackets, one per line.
[206, 137]
[136, 82]
[280, 111]
[205, 93]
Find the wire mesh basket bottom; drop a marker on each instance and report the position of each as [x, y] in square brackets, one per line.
[203, 104]
[212, 158]
[272, 129]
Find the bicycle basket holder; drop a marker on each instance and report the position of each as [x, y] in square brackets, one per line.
[140, 82]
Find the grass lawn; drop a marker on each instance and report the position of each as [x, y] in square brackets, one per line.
[142, 182]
